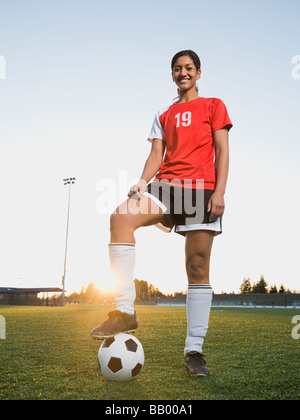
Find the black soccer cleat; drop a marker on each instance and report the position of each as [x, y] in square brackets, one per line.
[195, 364]
[117, 322]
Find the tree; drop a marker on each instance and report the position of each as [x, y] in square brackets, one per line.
[273, 289]
[146, 291]
[153, 292]
[141, 289]
[246, 286]
[261, 286]
[90, 293]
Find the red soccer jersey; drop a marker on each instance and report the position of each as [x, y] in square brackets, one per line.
[187, 128]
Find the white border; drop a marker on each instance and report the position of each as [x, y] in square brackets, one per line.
[215, 226]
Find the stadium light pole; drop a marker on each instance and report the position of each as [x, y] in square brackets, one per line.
[67, 181]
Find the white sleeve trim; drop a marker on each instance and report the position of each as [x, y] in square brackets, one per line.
[157, 132]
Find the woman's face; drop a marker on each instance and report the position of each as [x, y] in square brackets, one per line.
[185, 73]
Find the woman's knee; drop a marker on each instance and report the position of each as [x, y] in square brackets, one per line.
[196, 264]
[121, 229]
[197, 267]
[119, 222]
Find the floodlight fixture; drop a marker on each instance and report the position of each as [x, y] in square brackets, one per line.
[67, 181]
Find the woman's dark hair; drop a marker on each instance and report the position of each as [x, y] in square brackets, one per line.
[190, 53]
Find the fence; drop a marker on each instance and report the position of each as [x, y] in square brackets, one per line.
[269, 300]
[258, 299]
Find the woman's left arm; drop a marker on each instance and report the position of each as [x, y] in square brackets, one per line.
[216, 203]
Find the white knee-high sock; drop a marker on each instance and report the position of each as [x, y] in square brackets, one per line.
[122, 262]
[199, 298]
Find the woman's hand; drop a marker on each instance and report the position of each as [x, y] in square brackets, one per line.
[216, 206]
[138, 189]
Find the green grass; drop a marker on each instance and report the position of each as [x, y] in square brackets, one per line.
[48, 354]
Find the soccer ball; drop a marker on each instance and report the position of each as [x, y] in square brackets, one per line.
[121, 357]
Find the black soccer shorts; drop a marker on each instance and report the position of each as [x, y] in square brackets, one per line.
[185, 208]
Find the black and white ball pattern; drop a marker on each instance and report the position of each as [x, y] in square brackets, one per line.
[121, 357]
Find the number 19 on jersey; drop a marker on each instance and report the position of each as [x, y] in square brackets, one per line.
[184, 119]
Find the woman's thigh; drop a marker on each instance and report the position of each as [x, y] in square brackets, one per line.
[133, 214]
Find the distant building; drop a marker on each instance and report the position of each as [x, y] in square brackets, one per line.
[21, 296]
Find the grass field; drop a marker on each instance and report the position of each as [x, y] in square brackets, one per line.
[47, 354]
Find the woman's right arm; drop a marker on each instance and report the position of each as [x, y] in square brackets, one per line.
[152, 165]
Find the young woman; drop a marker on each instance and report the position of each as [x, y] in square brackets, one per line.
[189, 160]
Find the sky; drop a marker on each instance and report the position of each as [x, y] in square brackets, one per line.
[80, 83]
